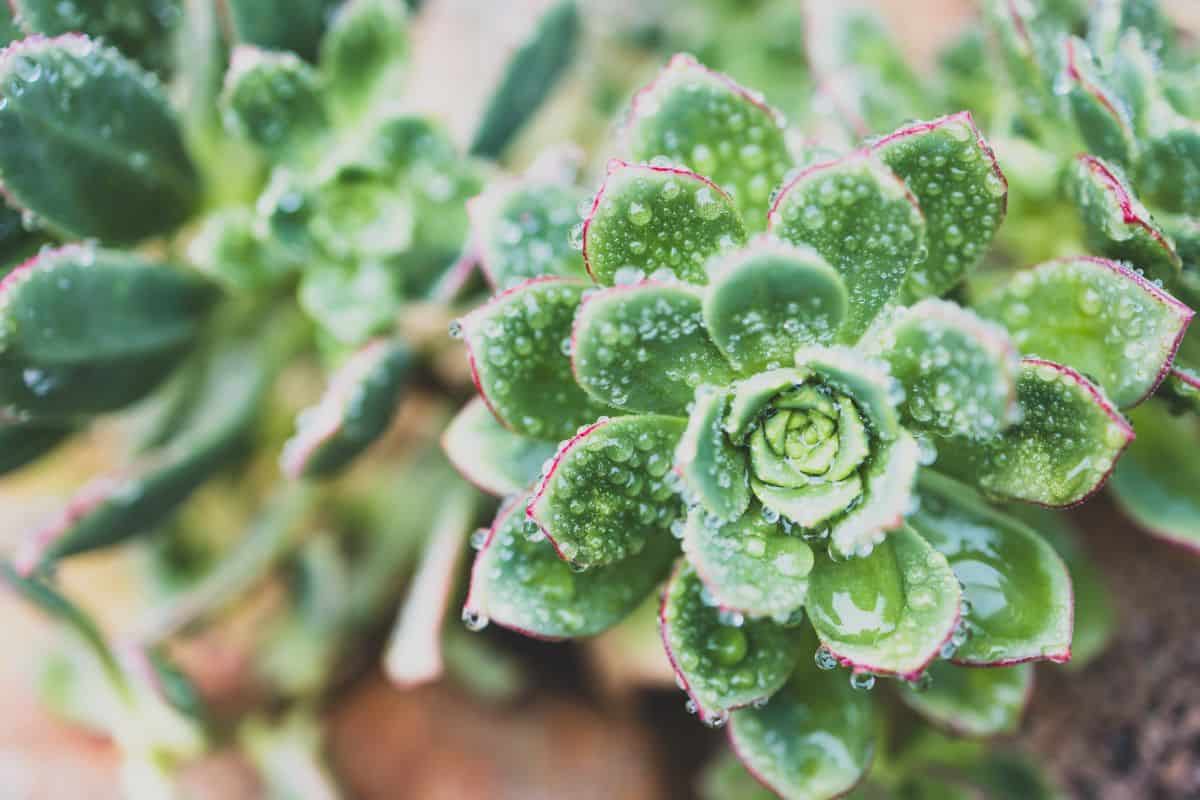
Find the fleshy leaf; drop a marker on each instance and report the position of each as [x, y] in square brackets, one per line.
[363, 52]
[351, 302]
[283, 25]
[750, 565]
[961, 190]
[713, 470]
[517, 348]
[626, 333]
[531, 74]
[958, 371]
[489, 455]
[647, 218]
[1017, 590]
[274, 100]
[1157, 482]
[1100, 317]
[355, 410]
[888, 613]
[519, 582]
[125, 504]
[813, 739]
[1101, 117]
[88, 142]
[722, 666]
[22, 443]
[230, 248]
[724, 778]
[605, 495]
[692, 115]
[1062, 450]
[1169, 171]
[973, 702]
[141, 29]
[1115, 223]
[767, 299]
[862, 219]
[523, 231]
[85, 330]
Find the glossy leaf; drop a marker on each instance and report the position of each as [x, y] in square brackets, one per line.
[273, 100]
[713, 470]
[1098, 316]
[958, 371]
[724, 778]
[1061, 452]
[750, 565]
[626, 333]
[356, 409]
[973, 702]
[605, 494]
[639, 219]
[961, 191]
[722, 666]
[114, 508]
[767, 299]
[519, 582]
[141, 29]
[888, 613]
[85, 330]
[284, 25]
[517, 348]
[88, 143]
[363, 52]
[813, 739]
[862, 219]
[1115, 223]
[523, 231]
[22, 443]
[1102, 119]
[489, 455]
[1156, 483]
[1017, 591]
[532, 72]
[694, 116]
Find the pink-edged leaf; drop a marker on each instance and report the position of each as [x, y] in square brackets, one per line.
[714, 471]
[1101, 117]
[493, 458]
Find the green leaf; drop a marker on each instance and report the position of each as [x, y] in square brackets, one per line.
[722, 666]
[1156, 483]
[1098, 316]
[750, 565]
[22, 442]
[274, 101]
[1115, 223]
[861, 218]
[724, 778]
[1168, 172]
[517, 345]
[889, 613]
[351, 302]
[134, 501]
[229, 247]
[141, 29]
[85, 330]
[712, 469]
[531, 75]
[363, 53]
[958, 371]
[522, 230]
[692, 115]
[89, 144]
[626, 333]
[1018, 593]
[813, 739]
[961, 191]
[285, 25]
[519, 582]
[489, 455]
[356, 409]
[1062, 450]
[632, 229]
[1103, 120]
[973, 702]
[605, 494]
[767, 299]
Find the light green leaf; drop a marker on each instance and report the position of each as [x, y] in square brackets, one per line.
[625, 334]
[519, 582]
[605, 495]
[862, 219]
[523, 229]
[973, 702]
[1169, 171]
[273, 99]
[492, 457]
[363, 53]
[648, 218]
[1102, 118]
[713, 470]
[692, 115]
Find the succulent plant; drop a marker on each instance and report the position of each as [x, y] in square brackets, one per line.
[751, 353]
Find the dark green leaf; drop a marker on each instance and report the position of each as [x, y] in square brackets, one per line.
[24, 442]
[492, 457]
[1102, 119]
[141, 29]
[295, 25]
[973, 701]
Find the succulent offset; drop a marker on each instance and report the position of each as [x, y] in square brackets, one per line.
[751, 357]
